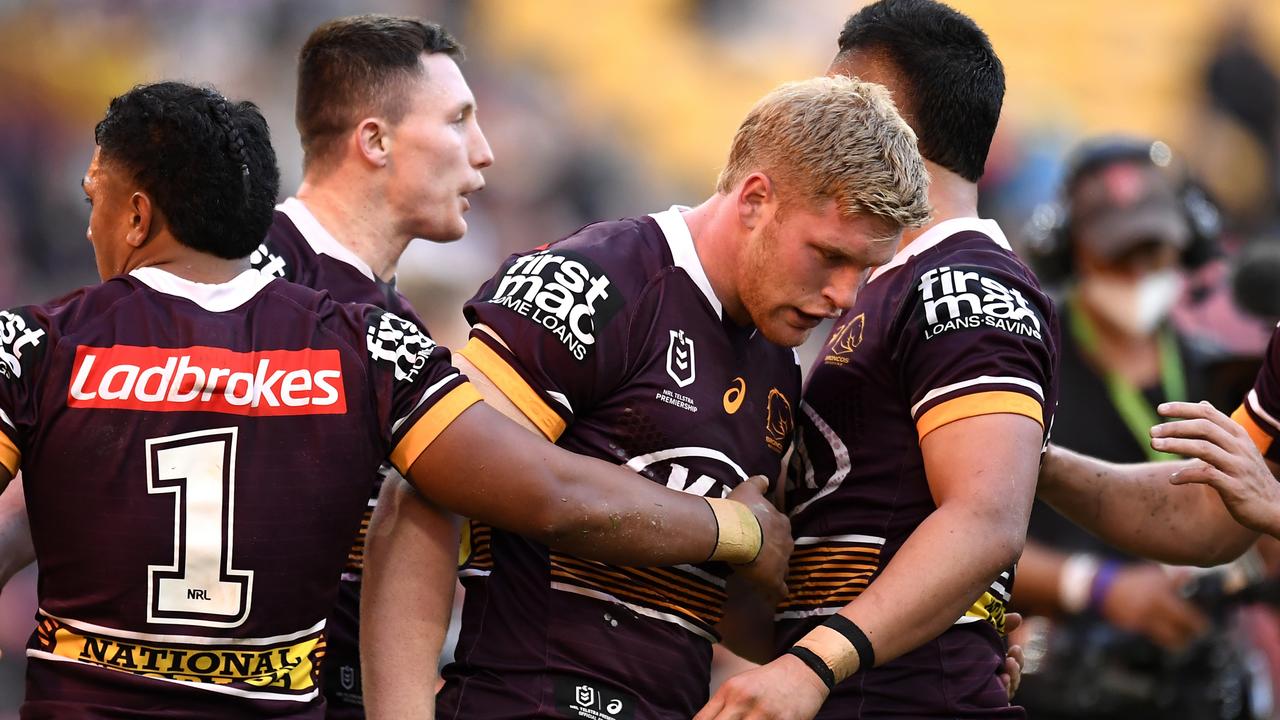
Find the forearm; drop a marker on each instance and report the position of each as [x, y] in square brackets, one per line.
[1135, 508]
[16, 550]
[484, 467]
[747, 626]
[407, 597]
[935, 577]
[628, 521]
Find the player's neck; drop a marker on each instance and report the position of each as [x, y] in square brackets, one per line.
[357, 222]
[718, 251]
[188, 264]
[950, 196]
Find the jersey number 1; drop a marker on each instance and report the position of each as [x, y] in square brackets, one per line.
[199, 587]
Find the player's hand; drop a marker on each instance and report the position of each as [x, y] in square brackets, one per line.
[769, 571]
[1228, 462]
[1011, 673]
[1144, 599]
[785, 689]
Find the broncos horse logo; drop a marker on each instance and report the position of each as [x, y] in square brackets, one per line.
[778, 422]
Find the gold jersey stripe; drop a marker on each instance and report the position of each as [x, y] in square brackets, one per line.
[664, 578]
[1260, 437]
[10, 457]
[837, 599]
[629, 590]
[832, 549]
[542, 415]
[622, 593]
[624, 589]
[431, 424]
[985, 403]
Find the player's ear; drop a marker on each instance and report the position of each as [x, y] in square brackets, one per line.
[373, 141]
[757, 200]
[141, 219]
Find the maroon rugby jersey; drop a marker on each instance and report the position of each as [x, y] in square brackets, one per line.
[1261, 407]
[196, 459]
[299, 249]
[614, 344]
[955, 326]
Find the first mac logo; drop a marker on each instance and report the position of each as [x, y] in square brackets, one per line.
[564, 292]
[16, 337]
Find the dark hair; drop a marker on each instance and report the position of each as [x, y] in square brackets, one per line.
[953, 80]
[206, 162]
[353, 67]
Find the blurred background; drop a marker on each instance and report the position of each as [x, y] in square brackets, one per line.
[603, 110]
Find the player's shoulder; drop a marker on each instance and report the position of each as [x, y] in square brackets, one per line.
[963, 275]
[630, 250]
[27, 332]
[957, 254]
[284, 252]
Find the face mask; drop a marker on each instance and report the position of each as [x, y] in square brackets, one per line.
[1136, 308]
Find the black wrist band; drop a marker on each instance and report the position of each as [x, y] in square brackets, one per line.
[856, 638]
[815, 663]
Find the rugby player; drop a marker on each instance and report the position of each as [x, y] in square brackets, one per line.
[391, 150]
[197, 441]
[922, 426]
[684, 376]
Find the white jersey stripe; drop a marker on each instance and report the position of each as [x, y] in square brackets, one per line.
[984, 380]
[426, 395]
[1257, 408]
[838, 450]
[185, 639]
[5, 419]
[647, 612]
[860, 539]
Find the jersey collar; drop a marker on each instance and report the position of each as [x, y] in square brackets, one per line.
[940, 232]
[319, 239]
[683, 252]
[217, 298]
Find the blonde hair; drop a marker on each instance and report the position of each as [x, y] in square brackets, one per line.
[834, 138]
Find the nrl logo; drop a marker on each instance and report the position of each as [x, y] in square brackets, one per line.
[680, 359]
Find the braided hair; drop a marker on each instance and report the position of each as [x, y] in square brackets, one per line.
[206, 162]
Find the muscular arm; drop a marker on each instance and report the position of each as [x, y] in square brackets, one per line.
[410, 564]
[1135, 508]
[411, 555]
[982, 473]
[16, 550]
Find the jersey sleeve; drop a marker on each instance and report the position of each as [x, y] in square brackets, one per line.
[1259, 414]
[419, 392]
[548, 330]
[977, 340]
[24, 340]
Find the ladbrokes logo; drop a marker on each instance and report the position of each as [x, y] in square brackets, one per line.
[563, 292]
[958, 299]
[208, 379]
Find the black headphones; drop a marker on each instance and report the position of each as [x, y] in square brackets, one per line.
[1048, 233]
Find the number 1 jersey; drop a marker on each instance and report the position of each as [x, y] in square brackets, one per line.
[196, 460]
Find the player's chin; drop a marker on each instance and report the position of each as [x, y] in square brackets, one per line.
[786, 334]
[445, 232]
